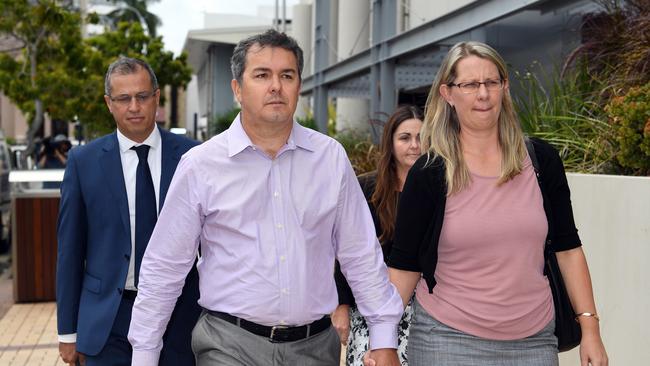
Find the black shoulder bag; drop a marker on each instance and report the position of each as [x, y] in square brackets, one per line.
[567, 329]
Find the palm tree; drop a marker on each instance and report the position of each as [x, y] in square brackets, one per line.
[134, 11]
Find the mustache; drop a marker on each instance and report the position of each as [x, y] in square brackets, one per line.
[275, 99]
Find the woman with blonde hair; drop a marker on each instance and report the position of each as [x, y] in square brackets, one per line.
[472, 225]
[398, 150]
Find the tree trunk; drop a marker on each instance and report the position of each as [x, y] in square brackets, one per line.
[37, 121]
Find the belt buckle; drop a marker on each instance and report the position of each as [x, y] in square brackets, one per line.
[273, 329]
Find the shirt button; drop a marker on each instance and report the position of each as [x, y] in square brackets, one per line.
[285, 291]
[279, 226]
[276, 194]
[282, 322]
[282, 258]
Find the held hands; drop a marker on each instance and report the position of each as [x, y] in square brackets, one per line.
[381, 357]
[69, 354]
[341, 322]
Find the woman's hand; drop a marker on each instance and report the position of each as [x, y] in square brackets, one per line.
[341, 322]
[592, 349]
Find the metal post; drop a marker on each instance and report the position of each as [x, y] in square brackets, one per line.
[382, 72]
[196, 125]
[375, 94]
[321, 61]
[284, 16]
[276, 19]
[387, 67]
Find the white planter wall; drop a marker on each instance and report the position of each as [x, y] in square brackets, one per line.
[613, 218]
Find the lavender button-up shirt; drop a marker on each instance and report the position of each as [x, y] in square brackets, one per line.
[270, 229]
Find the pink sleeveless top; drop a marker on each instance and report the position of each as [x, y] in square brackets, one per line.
[489, 275]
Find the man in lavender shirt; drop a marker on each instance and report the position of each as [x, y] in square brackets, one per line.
[272, 204]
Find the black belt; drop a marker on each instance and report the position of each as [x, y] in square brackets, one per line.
[129, 294]
[278, 333]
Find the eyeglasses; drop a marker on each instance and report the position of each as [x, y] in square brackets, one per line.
[140, 98]
[473, 86]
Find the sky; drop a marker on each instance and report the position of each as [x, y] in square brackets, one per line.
[180, 16]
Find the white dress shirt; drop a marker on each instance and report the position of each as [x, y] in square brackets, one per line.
[270, 229]
[129, 167]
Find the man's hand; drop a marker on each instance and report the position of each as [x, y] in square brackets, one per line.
[341, 322]
[381, 357]
[69, 354]
[59, 155]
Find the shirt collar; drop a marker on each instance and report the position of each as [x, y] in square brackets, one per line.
[238, 140]
[126, 143]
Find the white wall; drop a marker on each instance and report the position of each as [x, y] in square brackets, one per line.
[422, 11]
[613, 218]
[192, 105]
[353, 37]
[301, 30]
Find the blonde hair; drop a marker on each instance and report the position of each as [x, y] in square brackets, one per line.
[440, 136]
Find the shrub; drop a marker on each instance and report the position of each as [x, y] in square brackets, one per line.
[616, 43]
[630, 117]
[567, 113]
[362, 152]
[221, 122]
[308, 122]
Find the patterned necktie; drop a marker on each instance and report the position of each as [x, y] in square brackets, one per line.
[146, 213]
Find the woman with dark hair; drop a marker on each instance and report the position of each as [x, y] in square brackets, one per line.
[399, 149]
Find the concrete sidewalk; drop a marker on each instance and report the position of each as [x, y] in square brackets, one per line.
[28, 336]
[27, 331]
[6, 287]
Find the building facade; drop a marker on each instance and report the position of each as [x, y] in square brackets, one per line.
[364, 57]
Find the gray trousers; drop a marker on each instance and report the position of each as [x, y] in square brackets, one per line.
[432, 343]
[217, 342]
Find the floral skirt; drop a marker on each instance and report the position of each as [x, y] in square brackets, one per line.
[359, 339]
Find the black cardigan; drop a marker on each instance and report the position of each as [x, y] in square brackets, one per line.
[421, 211]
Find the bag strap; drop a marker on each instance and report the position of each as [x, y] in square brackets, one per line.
[533, 158]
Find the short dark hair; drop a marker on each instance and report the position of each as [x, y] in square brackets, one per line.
[270, 38]
[127, 66]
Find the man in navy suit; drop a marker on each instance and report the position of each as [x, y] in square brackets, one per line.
[109, 188]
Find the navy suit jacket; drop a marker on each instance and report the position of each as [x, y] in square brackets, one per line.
[94, 247]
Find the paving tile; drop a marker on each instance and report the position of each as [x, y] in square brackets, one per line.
[29, 336]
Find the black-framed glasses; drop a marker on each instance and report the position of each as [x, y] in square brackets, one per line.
[472, 87]
[140, 98]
